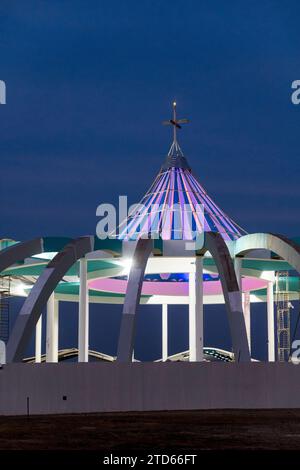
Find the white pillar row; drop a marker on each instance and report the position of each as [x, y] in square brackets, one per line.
[38, 340]
[196, 310]
[247, 315]
[270, 322]
[164, 332]
[83, 318]
[52, 330]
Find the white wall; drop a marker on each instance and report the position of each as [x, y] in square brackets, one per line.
[96, 387]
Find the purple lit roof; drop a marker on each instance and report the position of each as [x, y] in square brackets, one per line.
[176, 206]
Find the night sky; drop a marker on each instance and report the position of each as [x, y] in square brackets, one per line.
[88, 85]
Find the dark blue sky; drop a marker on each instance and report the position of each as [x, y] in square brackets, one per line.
[88, 84]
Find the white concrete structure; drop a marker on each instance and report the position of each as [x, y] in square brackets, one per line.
[38, 340]
[247, 315]
[169, 263]
[2, 353]
[109, 387]
[165, 338]
[83, 317]
[196, 310]
[190, 235]
[270, 322]
[52, 330]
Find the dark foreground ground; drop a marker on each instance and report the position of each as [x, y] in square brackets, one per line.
[185, 431]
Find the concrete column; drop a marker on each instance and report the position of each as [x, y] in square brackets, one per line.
[142, 252]
[270, 322]
[247, 315]
[52, 330]
[2, 352]
[245, 299]
[55, 332]
[83, 319]
[38, 340]
[196, 310]
[164, 332]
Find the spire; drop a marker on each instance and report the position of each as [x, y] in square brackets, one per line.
[175, 157]
[170, 206]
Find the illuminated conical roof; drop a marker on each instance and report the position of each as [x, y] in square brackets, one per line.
[176, 206]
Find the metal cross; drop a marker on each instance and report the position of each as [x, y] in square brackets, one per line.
[175, 123]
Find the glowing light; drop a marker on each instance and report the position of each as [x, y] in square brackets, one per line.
[47, 256]
[127, 264]
[174, 104]
[188, 197]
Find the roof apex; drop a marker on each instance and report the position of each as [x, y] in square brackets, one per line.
[175, 158]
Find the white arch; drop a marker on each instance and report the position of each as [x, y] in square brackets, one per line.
[282, 246]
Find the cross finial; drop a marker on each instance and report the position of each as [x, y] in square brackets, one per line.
[176, 125]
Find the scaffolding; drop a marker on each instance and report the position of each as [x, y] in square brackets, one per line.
[283, 316]
[4, 307]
